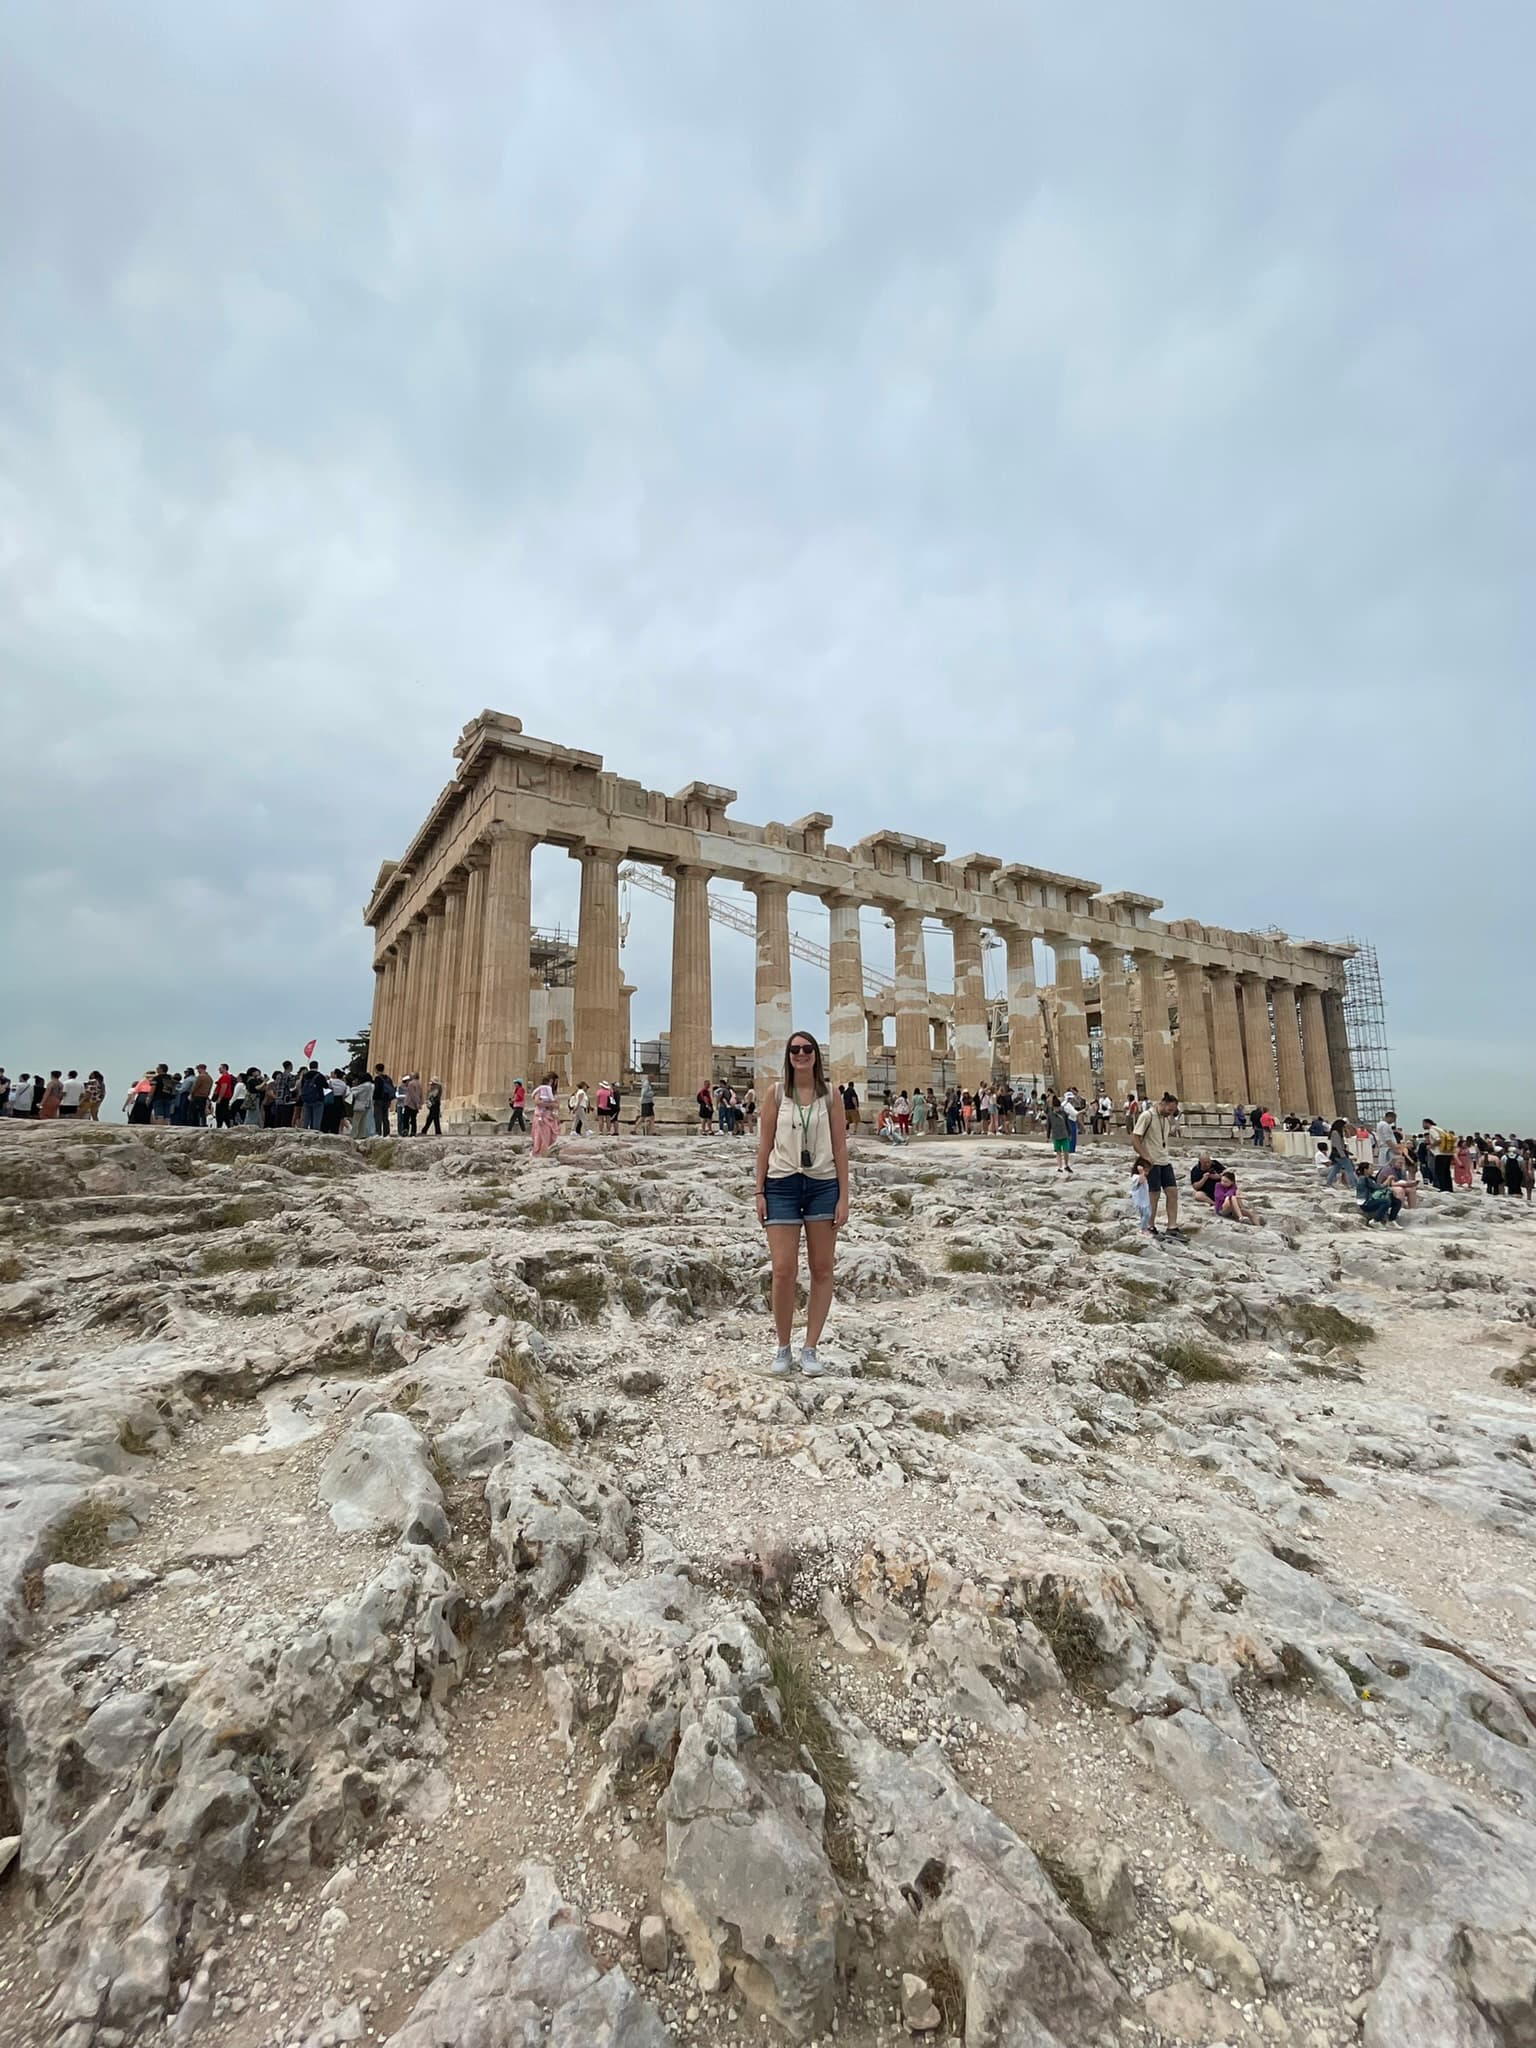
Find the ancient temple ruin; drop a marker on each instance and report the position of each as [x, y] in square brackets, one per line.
[462, 984]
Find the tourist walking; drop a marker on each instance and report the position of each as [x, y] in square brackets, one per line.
[851, 1107]
[517, 1103]
[1151, 1136]
[705, 1098]
[919, 1113]
[92, 1095]
[1058, 1128]
[1461, 1165]
[138, 1103]
[647, 1108]
[383, 1096]
[361, 1100]
[546, 1115]
[434, 1120]
[578, 1109]
[802, 1183]
[1340, 1159]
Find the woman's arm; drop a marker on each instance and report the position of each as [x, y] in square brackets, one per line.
[838, 1123]
[767, 1129]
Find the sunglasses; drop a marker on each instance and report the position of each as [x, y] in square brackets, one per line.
[802, 1052]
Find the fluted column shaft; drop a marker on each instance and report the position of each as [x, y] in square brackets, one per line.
[1342, 1066]
[597, 1053]
[914, 1045]
[1199, 1082]
[384, 1002]
[772, 1016]
[400, 1023]
[1314, 1053]
[500, 951]
[691, 1042]
[1288, 1060]
[1115, 1016]
[1157, 1063]
[1231, 1076]
[466, 1028]
[1074, 1068]
[431, 1023]
[1026, 1040]
[416, 994]
[972, 1047]
[847, 1035]
[445, 1060]
[1258, 1042]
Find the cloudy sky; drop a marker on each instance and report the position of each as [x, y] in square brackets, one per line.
[1098, 435]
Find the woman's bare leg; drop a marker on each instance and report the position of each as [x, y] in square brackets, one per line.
[820, 1249]
[784, 1250]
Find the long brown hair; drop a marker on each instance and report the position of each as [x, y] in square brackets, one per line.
[818, 1072]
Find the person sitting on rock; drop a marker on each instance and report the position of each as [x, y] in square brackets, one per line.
[1227, 1202]
[1204, 1176]
[1378, 1203]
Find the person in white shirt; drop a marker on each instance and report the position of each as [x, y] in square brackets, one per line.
[70, 1092]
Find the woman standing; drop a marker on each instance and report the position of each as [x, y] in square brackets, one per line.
[802, 1183]
[92, 1095]
[136, 1104]
[546, 1115]
[1461, 1165]
[919, 1111]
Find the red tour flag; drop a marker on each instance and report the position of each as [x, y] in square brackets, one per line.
[309, 1050]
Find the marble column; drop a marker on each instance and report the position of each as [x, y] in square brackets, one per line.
[1198, 1082]
[501, 1021]
[416, 996]
[1339, 1061]
[972, 1047]
[1258, 1042]
[447, 1056]
[400, 1023]
[1314, 1053]
[431, 1045]
[1026, 1039]
[1231, 1075]
[1074, 1068]
[874, 1036]
[691, 1040]
[847, 1034]
[772, 1017]
[466, 1025]
[1157, 1063]
[597, 1054]
[384, 1002]
[1115, 1015]
[914, 1046]
[1288, 1060]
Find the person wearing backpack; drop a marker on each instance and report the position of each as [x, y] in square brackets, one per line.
[1442, 1154]
[383, 1097]
[517, 1103]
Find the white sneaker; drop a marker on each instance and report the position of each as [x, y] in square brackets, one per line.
[810, 1364]
[783, 1362]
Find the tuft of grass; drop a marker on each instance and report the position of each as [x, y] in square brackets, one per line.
[264, 1302]
[254, 1257]
[1066, 1884]
[934, 1421]
[519, 1372]
[276, 1780]
[966, 1259]
[82, 1537]
[243, 1209]
[1316, 1319]
[11, 1268]
[132, 1440]
[545, 1209]
[1196, 1363]
[382, 1153]
[806, 1730]
[1054, 1609]
[583, 1287]
[948, 1994]
[1102, 1312]
[1521, 1374]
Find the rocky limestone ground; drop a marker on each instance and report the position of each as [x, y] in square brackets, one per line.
[421, 1619]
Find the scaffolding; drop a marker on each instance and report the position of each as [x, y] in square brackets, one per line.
[1365, 1027]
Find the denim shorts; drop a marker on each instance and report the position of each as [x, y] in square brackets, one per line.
[798, 1199]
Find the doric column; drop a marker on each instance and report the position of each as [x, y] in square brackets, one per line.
[1314, 1053]
[1293, 1074]
[1340, 1064]
[1157, 1065]
[1026, 1040]
[1115, 1013]
[500, 964]
[384, 1003]
[691, 1041]
[1258, 1041]
[447, 1056]
[847, 1034]
[772, 1018]
[972, 1048]
[430, 1066]
[1074, 1069]
[597, 1054]
[466, 1027]
[1199, 1083]
[400, 1022]
[1231, 1076]
[914, 1047]
[415, 997]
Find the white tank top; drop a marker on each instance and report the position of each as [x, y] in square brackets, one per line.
[802, 1126]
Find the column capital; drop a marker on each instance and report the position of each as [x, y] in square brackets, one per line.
[841, 899]
[769, 885]
[680, 870]
[499, 833]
